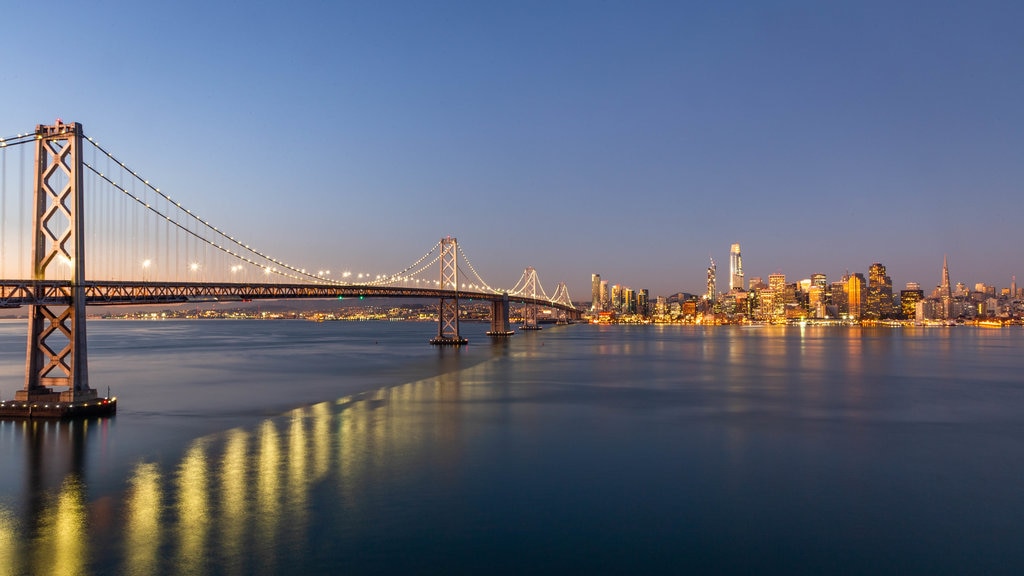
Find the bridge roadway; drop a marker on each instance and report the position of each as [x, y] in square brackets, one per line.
[15, 293]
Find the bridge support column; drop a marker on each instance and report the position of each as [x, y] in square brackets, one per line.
[500, 327]
[448, 310]
[56, 354]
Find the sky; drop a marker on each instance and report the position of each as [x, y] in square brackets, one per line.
[630, 139]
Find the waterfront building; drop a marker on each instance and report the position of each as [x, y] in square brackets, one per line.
[777, 290]
[909, 299]
[606, 297]
[839, 301]
[878, 303]
[711, 292]
[735, 268]
[945, 293]
[595, 292]
[643, 302]
[816, 304]
[856, 295]
[617, 298]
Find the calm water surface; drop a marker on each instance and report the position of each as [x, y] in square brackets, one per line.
[290, 447]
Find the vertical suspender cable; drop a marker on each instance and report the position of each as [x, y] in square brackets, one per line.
[21, 216]
[3, 213]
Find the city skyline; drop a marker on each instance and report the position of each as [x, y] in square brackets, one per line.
[633, 140]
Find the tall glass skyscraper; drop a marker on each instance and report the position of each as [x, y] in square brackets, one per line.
[595, 292]
[735, 268]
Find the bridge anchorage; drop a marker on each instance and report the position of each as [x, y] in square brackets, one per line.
[56, 355]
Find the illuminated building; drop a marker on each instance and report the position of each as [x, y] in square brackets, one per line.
[628, 301]
[710, 296]
[776, 303]
[617, 298]
[643, 302]
[878, 303]
[856, 295]
[839, 297]
[606, 298]
[735, 268]
[595, 292]
[945, 292]
[909, 299]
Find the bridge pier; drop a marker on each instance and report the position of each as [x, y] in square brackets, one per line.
[500, 327]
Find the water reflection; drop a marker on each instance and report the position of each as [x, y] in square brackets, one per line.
[143, 520]
[61, 543]
[47, 530]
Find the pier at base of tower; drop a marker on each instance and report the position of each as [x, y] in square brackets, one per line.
[449, 341]
[57, 406]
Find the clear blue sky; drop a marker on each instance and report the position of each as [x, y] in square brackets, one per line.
[632, 139]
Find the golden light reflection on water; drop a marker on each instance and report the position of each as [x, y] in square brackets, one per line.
[233, 499]
[268, 494]
[10, 543]
[237, 510]
[62, 544]
[143, 520]
[298, 469]
[193, 509]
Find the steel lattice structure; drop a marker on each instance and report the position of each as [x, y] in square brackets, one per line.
[56, 354]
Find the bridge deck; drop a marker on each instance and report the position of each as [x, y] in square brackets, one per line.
[14, 293]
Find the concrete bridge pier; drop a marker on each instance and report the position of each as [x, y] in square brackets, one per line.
[500, 327]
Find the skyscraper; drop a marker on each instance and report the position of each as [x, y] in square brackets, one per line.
[879, 297]
[735, 268]
[945, 292]
[909, 299]
[595, 292]
[711, 282]
[855, 295]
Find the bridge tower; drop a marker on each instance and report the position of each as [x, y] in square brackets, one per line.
[56, 353]
[448, 311]
[530, 310]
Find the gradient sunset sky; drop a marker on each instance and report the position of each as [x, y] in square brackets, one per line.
[631, 139]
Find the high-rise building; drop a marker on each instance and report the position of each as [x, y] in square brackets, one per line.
[945, 292]
[617, 298]
[606, 297]
[909, 299]
[595, 292]
[878, 303]
[711, 282]
[643, 302]
[777, 290]
[839, 300]
[735, 268]
[856, 295]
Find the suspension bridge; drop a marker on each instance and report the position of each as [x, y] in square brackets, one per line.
[79, 228]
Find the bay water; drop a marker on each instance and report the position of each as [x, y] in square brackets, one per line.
[294, 447]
